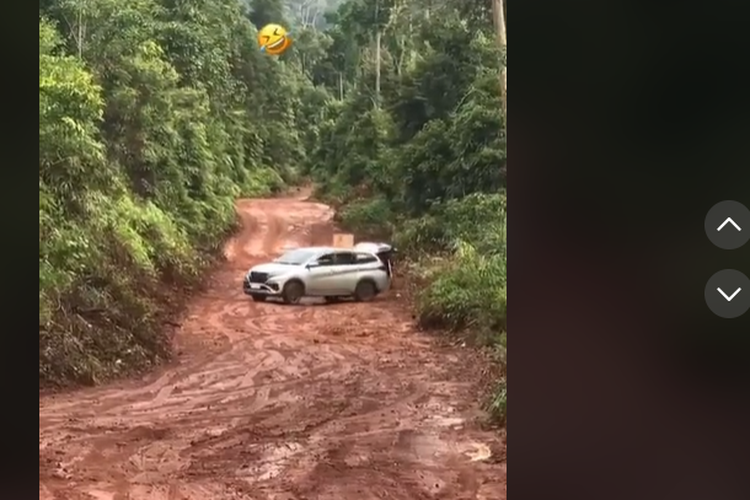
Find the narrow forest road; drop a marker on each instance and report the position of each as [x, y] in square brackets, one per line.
[275, 402]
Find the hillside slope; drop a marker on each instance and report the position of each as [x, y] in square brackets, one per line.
[154, 117]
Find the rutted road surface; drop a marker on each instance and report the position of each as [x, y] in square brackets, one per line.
[275, 402]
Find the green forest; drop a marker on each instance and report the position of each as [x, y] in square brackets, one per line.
[155, 115]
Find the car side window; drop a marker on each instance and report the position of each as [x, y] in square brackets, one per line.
[364, 258]
[326, 260]
[344, 258]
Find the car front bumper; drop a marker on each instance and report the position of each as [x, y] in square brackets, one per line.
[260, 288]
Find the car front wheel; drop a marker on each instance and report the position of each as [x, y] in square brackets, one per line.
[293, 292]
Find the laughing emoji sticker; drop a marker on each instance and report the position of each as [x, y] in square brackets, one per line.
[274, 39]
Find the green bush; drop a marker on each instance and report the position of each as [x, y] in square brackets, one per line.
[466, 290]
[334, 192]
[371, 218]
[261, 182]
[478, 218]
[466, 293]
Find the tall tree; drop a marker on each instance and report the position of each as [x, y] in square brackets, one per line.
[263, 12]
[498, 11]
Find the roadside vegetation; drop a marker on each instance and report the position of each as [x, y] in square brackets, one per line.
[155, 115]
[413, 148]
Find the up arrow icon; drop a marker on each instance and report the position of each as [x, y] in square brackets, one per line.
[724, 225]
[729, 221]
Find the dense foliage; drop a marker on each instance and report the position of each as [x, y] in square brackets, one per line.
[413, 146]
[156, 114]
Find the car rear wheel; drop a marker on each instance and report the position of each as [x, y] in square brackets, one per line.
[365, 291]
[293, 292]
[260, 298]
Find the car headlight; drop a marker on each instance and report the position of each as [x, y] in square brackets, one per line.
[273, 282]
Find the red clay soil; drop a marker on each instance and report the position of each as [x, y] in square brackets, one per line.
[273, 402]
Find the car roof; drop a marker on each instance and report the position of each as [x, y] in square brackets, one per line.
[322, 249]
[318, 249]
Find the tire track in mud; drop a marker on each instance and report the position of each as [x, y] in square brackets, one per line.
[274, 402]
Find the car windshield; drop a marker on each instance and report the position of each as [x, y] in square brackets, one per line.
[295, 257]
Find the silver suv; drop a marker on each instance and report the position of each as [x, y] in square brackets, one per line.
[333, 273]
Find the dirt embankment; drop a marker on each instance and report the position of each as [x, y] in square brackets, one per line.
[274, 402]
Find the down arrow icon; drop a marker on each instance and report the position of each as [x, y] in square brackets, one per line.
[726, 293]
[729, 297]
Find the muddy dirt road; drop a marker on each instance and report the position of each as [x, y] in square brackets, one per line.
[275, 402]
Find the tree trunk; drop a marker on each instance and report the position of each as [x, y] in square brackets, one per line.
[378, 37]
[498, 15]
[80, 35]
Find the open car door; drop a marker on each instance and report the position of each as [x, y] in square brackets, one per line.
[384, 251]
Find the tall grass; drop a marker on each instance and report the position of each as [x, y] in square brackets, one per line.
[460, 247]
[457, 250]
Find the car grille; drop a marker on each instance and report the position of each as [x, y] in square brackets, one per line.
[256, 277]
